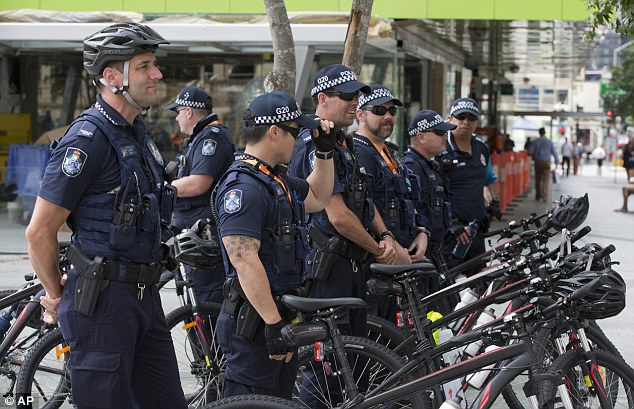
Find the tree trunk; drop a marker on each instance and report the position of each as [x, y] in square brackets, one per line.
[357, 35]
[282, 78]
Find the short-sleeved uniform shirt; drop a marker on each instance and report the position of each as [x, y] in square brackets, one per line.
[96, 169]
[468, 174]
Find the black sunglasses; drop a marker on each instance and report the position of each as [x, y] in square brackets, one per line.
[470, 117]
[438, 132]
[380, 110]
[346, 96]
[293, 131]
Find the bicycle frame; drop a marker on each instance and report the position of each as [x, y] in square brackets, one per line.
[34, 291]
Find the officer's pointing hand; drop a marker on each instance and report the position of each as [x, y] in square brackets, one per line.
[276, 344]
[324, 137]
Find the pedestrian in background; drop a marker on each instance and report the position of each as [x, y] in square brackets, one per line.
[261, 224]
[577, 157]
[628, 157]
[106, 177]
[599, 154]
[541, 150]
[208, 155]
[566, 156]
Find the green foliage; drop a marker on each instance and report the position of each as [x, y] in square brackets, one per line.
[622, 102]
[615, 14]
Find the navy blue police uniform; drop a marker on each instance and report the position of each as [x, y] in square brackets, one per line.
[468, 174]
[123, 353]
[209, 152]
[349, 273]
[252, 199]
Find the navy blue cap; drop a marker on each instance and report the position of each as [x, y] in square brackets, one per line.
[426, 120]
[275, 107]
[339, 77]
[192, 97]
[462, 105]
[379, 96]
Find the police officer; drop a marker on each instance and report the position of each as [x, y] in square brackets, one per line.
[105, 177]
[467, 164]
[208, 155]
[350, 215]
[390, 182]
[261, 224]
[428, 137]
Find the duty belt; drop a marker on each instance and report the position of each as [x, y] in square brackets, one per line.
[347, 249]
[133, 272]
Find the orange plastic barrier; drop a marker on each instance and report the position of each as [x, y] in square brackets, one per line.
[513, 170]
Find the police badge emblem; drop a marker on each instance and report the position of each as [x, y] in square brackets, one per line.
[155, 152]
[233, 200]
[74, 161]
[209, 147]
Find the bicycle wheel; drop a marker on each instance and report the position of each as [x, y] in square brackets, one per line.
[253, 402]
[389, 335]
[546, 350]
[201, 380]
[616, 375]
[320, 384]
[45, 372]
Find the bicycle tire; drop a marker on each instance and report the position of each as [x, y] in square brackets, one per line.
[389, 335]
[45, 372]
[316, 383]
[595, 335]
[253, 402]
[618, 378]
[201, 383]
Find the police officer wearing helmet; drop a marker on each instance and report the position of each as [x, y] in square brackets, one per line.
[467, 164]
[105, 177]
[208, 155]
[261, 225]
[428, 137]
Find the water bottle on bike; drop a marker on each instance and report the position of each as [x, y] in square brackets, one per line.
[460, 250]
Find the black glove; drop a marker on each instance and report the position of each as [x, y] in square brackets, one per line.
[494, 209]
[325, 142]
[167, 257]
[455, 230]
[275, 342]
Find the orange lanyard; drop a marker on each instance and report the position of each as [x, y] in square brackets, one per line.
[387, 157]
[267, 172]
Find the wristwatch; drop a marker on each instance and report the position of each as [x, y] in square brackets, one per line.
[421, 229]
[385, 234]
[328, 155]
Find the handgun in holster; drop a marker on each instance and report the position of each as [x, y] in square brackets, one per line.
[326, 255]
[90, 282]
[239, 308]
[248, 321]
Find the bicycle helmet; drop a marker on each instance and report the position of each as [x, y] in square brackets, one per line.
[197, 248]
[583, 254]
[570, 212]
[118, 42]
[606, 300]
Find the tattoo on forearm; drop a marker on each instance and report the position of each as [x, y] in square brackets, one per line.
[241, 246]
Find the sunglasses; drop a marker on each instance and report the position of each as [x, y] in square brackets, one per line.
[346, 96]
[470, 117]
[293, 131]
[180, 109]
[438, 132]
[380, 110]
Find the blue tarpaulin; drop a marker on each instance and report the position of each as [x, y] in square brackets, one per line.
[25, 168]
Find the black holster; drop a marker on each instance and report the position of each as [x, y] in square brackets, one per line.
[248, 321]
[91, 280]
[326, 255]
[239, 308]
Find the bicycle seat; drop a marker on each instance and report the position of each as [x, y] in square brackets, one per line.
[390, 270]
[305, 304]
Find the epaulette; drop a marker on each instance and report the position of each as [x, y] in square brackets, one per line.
[359, 140]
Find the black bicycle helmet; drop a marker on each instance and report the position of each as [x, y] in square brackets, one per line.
[196, 247]
[570, 212]
[118, 42]
[606, 300]
[584, 253]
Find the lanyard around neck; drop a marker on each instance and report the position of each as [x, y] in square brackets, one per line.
[387, 157]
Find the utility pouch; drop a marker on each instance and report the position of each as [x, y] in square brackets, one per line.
[248, 321]
[325, 258]
[407, 213]
[168, 201]
[122, 236]
[91, 280]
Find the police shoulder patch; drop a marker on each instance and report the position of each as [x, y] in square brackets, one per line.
[155, 153]
[74, 161]
[233, 200]
[311, 158]
[209, 147]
